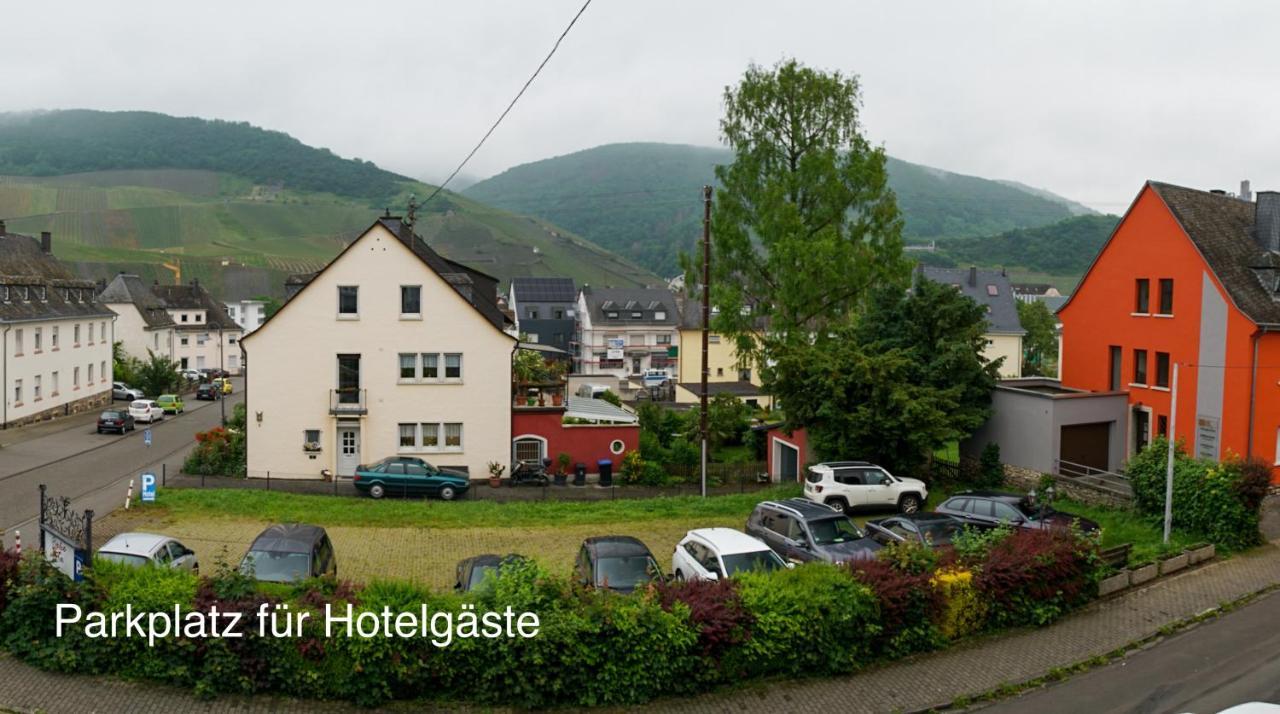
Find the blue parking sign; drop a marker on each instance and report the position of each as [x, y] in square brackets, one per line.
[146, 437]
[148, 487]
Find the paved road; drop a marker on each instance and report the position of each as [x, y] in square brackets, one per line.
[92, 469]
[1217, 665]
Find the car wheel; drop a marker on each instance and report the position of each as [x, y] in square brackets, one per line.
[377, 491]
[195, 569]
[447, 493]
[839, 503]
[909, 503]
[680, 576]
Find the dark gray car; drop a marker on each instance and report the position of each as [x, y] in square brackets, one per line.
[800, 530]
[290, 553]
[988, 509]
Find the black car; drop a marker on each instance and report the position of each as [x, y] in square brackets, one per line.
[800, 530]
[989, 509]
[115, 420]
[208, 392]
[928, 529]
[290, 553]
[475, 574]
[618, 563]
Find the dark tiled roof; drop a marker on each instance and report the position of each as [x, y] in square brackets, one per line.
[737, 389]
[52, 292]
[647, 301]
[544, 289]
[193, 296]
[990, 288]
[126, 288]
[1221, 227]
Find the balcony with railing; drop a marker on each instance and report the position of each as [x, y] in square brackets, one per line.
[535, 395]
[348, 402]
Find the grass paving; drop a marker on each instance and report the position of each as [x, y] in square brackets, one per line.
[422, 541]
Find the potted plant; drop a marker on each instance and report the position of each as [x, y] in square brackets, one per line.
[495, 474]
[562, 461]
[557, 398]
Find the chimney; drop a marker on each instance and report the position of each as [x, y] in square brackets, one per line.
[2, 227]
[46, 242]
[1246, 194]
[1266, 221]
[973, 276]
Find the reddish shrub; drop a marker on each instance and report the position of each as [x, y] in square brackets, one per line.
[9, 561]
[715, 611]
[910, 606]
[1032, 577]
[1255, 479]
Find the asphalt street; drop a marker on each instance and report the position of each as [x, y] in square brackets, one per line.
[92, 469]
[1219, 664]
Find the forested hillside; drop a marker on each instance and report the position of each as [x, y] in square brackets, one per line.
[644, 200]
[1063, 248]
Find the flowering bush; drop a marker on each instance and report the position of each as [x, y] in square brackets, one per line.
[963, 611]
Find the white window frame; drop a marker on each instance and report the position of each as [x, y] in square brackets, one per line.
[419, 437]
[540, 440]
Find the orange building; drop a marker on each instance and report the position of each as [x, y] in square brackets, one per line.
[1188, 278]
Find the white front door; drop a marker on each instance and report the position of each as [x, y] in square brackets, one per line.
[348, 450]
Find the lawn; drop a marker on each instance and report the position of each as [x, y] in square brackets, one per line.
[1124, 526]
[422, 541]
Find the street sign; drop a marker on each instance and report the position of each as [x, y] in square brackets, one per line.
[148, 487]
[146, 436]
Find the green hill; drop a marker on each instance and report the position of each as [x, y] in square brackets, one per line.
[242, 233]
[1064, 248]
[644, 201]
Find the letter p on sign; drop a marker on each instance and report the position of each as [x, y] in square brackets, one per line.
[148, 487]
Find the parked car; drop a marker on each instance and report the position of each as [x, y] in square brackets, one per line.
[140, 549]
[289, 553]
[211, 373]
[208, 392]
[190, 375]
[120, 390]
[988, 509]
[222, 383]
[928, 529]
[800, 530]
[171, 403]
[115, 420]
[854, 485]
[409, 476]
[655, 377]
[618, 563]
[715, 553]
[475, 574]
[146, 410]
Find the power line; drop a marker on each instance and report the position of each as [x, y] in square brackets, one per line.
[506, 111]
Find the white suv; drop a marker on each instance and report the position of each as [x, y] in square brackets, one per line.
[715, 553]
[850, 485]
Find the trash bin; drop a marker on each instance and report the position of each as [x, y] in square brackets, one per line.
[580, 474]
[606, 472]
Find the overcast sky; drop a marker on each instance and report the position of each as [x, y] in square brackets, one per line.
[1085, 99]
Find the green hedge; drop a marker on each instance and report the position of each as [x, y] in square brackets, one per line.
[593, 648]
[1218, 501]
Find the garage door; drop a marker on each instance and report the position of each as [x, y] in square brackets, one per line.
[1086, 445]
[788, 462]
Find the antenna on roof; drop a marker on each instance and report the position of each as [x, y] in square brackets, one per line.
[386, 212]
[413, 210]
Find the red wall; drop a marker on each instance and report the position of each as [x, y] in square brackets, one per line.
[1149, 243]
[582, 442]
[798, 438]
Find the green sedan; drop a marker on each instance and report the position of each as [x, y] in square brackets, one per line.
[409, 476]
[170, 403]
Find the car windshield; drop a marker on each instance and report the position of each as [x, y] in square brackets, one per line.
[110, 415]
[938, 532]
[123, 558]
[167, 398]
[626, 571]
[762, 560]
[277, 567]
[480, 574]
[830, 531]
[139, 405]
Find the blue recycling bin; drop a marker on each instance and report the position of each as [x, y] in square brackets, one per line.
[606, 472]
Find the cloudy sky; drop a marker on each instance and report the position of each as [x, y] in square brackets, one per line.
[1086, 99]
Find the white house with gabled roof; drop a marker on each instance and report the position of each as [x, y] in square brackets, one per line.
[390, 350]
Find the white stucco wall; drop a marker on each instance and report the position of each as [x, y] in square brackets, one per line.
[27, 364]
[293, 367]
[131, 331]
[227, 357]
[1009, 347]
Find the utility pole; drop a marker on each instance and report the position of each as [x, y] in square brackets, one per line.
[706, 321]
[1168, 475]
[222, 402]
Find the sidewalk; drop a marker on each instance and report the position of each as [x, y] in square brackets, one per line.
[911, 685]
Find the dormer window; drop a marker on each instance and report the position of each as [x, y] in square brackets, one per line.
[24, 293]
[660, 315]
[636, 315]
[612, 314]
[41, 293]
[4, 293]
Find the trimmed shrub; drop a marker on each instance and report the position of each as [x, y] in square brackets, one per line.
[714, 610]
[1033, 577]
[909, 605]
[964, 611]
